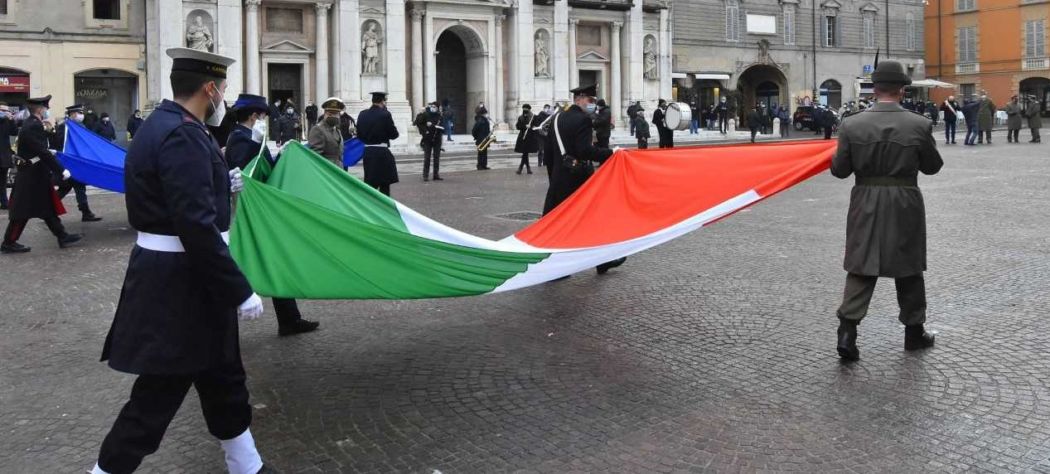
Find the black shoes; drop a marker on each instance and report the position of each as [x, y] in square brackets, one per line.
[438, 178]
[605, 267]
[298, 327]
[425, 179]
[916, 337]
[14, 247]
[90, 217]
[847, 345]
[68, 240]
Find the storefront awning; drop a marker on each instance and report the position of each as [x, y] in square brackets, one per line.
[14, 84]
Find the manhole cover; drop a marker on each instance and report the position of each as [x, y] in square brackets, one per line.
[519, 216]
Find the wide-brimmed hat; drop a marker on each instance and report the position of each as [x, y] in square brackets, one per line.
[890, 72]
[251, 103]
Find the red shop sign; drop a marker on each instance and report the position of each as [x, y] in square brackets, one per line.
[14, 84]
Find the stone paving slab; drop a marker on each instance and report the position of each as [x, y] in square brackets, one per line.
[712, 353]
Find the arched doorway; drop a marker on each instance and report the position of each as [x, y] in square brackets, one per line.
[460, 68]
[14, 86]
[831, 94]
[1038, 87]
[760, 84]
[108, 91]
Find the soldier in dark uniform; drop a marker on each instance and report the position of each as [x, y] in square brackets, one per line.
[541, 135]
[886, 148]
[526, 142]
[8, 129]
[375, 128]
[428, 122]
[34, 194]
[243, 145]
[176, 324]
[482, 129]
[665, 134]
[58, 142]
[573, 152]
[602, 125]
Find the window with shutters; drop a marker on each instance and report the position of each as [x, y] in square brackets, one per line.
[732, 20]
[965, 5]
[869, 30]
[830, 27]
[967, 44]
[967, 91]
[1035, 39]
[789, 24]
[912, 32]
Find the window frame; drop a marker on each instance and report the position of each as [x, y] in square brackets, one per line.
[91, 22]
[10, 18]
[830, 30]
[789, 26]
[962, 47]
[965, 5]
[732, 20]
[911, 32]
[1040, 36]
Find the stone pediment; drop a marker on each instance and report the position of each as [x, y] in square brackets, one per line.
[869, 7]
[286, 46]
[592, 56]
[372, 10]
[831, 4]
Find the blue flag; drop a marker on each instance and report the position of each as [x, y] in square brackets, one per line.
[353, 150]
[92, 159]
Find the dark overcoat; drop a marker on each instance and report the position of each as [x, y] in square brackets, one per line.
[985, 115]
[577, 131]
[1014, 117]
[375, 126]
[528, 141]
[1035, 120]
[8, 129]
[177, 312]
[241, 149]
[603, 123]
[886, 225]
[34, 193]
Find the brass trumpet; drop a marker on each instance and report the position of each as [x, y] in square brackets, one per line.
[489, 140]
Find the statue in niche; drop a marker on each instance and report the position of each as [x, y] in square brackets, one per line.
[649, 55]
[370, 41]
[198, 35]
[543, 56]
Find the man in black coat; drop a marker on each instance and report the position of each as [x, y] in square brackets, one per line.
[58, 142]
[428, 123]
[8, 129]
[311, 115]
[632, 112]
[105, 128]
[755, 121]
[134, 122]
[242, 146]
[602, 125]
[34, 195]
[541, 135]
[288, 126]
[660, 120]
[526, 142]
[176, 323]
[482, 129]
[723, 115]
[574, 152]
[375, 128]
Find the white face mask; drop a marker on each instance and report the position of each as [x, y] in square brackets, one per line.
[215, 119]
[78, 118]
[592, 107]
[259, 129]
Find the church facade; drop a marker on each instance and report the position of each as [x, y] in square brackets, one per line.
[503, 53]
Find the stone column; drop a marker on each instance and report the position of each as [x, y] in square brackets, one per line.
[229, 42]
[636, 84]
[574, 74]
[348, 52]
[395, 51]
[615, 86]
[321, 53]
[429, 60]
[664, 64]
[559, 48]
[417, 59]
[252, 73]
[497, 105]
[525, 36]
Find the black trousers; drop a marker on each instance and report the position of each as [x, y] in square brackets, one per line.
[287, 311]
[3, 185]
[483, 159]
[155, 399]
[383, 188]
[723, 124]
[601, 141]
[16, 226]
[1013, 135]
[754, 131]
[524, 163]
[431, 149]
[988, 135]
[827, 133]
[1035, 135]
[911, 297]
[643, 143]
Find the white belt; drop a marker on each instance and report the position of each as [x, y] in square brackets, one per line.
[384, 145]
[167, 243]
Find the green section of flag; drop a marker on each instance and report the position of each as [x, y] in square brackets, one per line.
[323, 234]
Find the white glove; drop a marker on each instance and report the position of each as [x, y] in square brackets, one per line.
[251, 308]
[236, 181]
[66, 175]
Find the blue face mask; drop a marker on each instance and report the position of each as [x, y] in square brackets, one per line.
[47, 114]
[592, 107]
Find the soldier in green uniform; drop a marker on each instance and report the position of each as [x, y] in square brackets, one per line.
[885, 147]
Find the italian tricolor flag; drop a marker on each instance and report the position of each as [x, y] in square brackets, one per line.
[307, 229]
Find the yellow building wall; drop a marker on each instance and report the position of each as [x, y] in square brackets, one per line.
[52, 66]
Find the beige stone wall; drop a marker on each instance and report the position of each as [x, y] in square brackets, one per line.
[52, 66]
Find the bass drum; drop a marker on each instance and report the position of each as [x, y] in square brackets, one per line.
[678, 116]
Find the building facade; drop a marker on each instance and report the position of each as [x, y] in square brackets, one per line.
[90, 52]
[993, 45]
[790, 51]
[503, 53]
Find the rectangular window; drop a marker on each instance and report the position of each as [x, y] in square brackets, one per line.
[761, 24]
[732, 22]
[3, 7]
[967, 90]
[789, 26]
[965, 5]
[869, 31]
[967, 42]
[1034, 39]
[284, 20]
[912, 33]
[106, 9]
[830, 31]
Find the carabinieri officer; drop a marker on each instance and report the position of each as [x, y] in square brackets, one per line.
[176, 321]
[375, 128]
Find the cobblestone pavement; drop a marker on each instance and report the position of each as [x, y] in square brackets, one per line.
[714, 352]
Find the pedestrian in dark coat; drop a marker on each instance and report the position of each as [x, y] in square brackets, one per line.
[288, 127]
[311, 112]
[950, 110]
[176, 324]
[431, 131]
[602, 125]
[8, 129]
[660, 120]
[723, 115]
[527, 141]
[34, 195]
[885, 148]
[134, 122]
[376, 129]
[1033, 112]
[1014, 120]
[105, 128]
[985, 119]
[641, 129]
[482, 129]
[973, 132]
[58, 142]
[755, 121]
[632, 111]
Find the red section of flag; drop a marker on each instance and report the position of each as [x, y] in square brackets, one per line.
[638, 192]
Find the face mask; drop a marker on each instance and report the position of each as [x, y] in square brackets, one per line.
[47, 114]
[260, 127]
[106, 120]
[331, 121]
[432, 109]
[78, 118]
[592, 107]
[218, 112]
[289, 111]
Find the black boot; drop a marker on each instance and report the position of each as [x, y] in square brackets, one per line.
[14, 247]
[605, 267]
[89, 216]
[68, 240]
[298, 327]
[916, 337]
[847, 345]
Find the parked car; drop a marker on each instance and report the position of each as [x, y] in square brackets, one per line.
[803, 118]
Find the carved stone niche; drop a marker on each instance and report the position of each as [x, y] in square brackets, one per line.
[372, 41]
[200, 31]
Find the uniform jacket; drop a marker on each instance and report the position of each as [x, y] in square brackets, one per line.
[33, 194]
[577, 131]
[755, 119]
[1035, 120]
[327, 142]
[288, 128]
[177, 312]
[886, 225]
[986, 115]
[427, 124]
[241, 149]
[603, 122]
[527, 141]
[133, 125]
[375, 125]
[659, 120]
[105, 130]
[8, 129]
[950, 113]
[1014, 118]
[641, 128]
[482, 129]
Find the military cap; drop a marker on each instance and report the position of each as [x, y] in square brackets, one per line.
[890, 72]
[378, 97]
[251, 102]
[200, 62]
[45, 101]
[74, 108]
[589, 91]
[333, 103]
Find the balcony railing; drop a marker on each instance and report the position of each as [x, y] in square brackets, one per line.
[1031, 64]
[967, 68]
